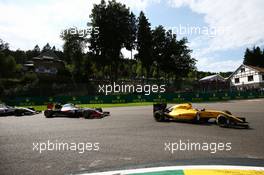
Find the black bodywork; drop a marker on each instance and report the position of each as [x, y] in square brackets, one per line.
[72, 111]
[6, 110]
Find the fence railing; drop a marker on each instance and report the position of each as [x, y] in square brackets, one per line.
[136, 98]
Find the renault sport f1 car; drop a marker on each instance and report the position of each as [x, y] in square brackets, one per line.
[6, 110]
[185, 112]
[71, 110]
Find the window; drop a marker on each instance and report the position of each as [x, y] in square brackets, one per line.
[236, 80]
[40, 69]
[242, 69]
[250, 78]
[53, 70]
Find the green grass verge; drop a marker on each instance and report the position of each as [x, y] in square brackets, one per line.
[43, 107]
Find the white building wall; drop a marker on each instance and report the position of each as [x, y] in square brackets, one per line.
[260, 76]
[243, 76]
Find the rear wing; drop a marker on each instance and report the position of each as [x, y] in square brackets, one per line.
[159, 107]
[52, 106]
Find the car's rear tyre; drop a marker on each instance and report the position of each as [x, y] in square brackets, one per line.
[222, 121]
[48, 113]
[87, 114]
[19, 113]
[159, 116]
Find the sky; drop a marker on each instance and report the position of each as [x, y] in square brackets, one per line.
[218, 31]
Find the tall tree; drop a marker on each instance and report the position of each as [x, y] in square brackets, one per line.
[7, 62]
[248, 57]
[184, 62]
[254, 57]
[159, 41]
[144, 43]
[46, 48]
[33, 53]
[177, 61]
[132, 36]
[111, 32]
[53, 48]
[36, 49]
[7, 66]
[19, 55]
[3, 45]
[73, 48]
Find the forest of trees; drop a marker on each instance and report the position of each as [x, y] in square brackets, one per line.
[97, 56]
[114, 27]
[254, 57]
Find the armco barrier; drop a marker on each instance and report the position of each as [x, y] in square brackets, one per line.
[136, 98]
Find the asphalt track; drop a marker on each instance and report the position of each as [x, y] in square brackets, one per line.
[128, 138]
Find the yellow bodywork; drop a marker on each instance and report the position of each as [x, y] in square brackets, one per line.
[185, 111]
[182, 112]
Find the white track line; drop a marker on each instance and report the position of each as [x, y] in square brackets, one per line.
[167, 168]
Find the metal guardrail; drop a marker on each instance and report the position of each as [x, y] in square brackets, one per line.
[136, 98]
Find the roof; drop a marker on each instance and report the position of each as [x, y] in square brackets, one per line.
[258, 69]
[28, 65]
[213, 77]
[47, 55]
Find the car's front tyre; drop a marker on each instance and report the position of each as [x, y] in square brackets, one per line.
[223, 121]
[48, 113]
[159, 116]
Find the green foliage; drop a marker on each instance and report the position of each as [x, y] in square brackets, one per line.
[225, 74]
[7, 66]
[254, 57]
[113, 28]
[36, 49]
[29, 77]
[144, 43]
[19, 68]
[46, 48]
[171, 56]
[130, 43]
[73, 50]
[32, 53]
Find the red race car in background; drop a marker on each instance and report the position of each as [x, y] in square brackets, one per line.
[73, 111]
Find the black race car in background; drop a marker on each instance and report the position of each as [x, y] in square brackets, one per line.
[71, 110]
[6, 110]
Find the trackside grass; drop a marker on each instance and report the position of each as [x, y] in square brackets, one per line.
[43, 107]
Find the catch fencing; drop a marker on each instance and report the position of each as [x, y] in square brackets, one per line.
[137, 98]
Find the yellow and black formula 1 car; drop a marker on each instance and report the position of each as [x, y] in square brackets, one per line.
[185, 112]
